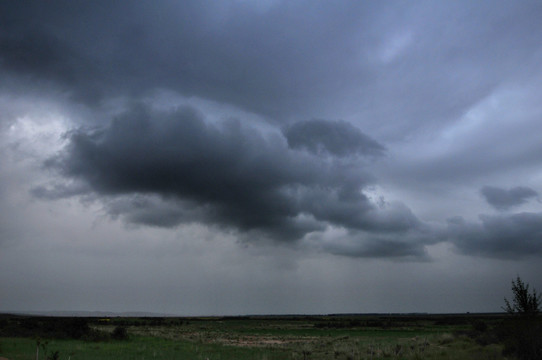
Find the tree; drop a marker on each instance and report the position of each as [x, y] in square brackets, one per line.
[524, 303]
[523, 332]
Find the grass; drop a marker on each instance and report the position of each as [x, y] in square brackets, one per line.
[136, 348]
[332, 337]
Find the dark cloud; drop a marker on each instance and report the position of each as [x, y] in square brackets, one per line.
[411, 245]
[449, 90]
[232, 52]
[502, 236]
[154, 211]
[379, 63]
[43, 59]
[380, 248]
[282, 60]
[165, 168]
[504, 199]
[337, 138]
[37, 55]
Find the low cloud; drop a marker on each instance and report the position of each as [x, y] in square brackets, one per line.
[501, 236]
[165, 168]
[337, 138]
[504, 199]
[154, 211]
[411, 245]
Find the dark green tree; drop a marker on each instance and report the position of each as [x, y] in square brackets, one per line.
[523, 330]
[524, 302]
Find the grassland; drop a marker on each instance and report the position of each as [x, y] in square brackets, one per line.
[256, 337]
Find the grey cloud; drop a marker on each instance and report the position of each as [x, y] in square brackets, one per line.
[287, 62]
[40, 58]
[337, 138]
[229, 53]
[37, 54]
[502, 236]
[504, 199]
[154, 211]
[354, 211]
[284, 61]
[451, 89]
[58, 191]
[448, 63]
[382, 249]
[167, 168]
[410, 246]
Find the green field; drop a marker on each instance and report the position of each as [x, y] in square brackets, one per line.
[255, 337]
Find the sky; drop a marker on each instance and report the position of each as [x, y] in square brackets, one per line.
[269, 157]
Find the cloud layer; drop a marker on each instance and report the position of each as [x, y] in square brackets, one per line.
[225, 157]
[403, 73]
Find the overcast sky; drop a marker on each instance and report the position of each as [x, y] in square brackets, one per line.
[258, 157]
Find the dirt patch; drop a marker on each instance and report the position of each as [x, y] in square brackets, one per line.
[262, 341]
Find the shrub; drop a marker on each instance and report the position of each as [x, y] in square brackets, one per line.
[524, 303]
[54, 355]
[76, 328]
[522, 333]
[120, 333]
[479, 326]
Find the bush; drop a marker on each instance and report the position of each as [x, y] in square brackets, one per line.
[76, 328]
[479, 326]
[524, 303]
[523, 338]
[120, 333]
[55, 355]
[522, 333]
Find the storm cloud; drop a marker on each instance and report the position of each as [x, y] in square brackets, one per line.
[282, 59]
[164, 168]
[504, 199]
[337, 138]
[501, 236]
[234, 52]
[285, 147]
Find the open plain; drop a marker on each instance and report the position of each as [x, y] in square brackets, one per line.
[417, 336]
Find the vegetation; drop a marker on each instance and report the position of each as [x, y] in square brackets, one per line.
[524, 302]
[515, 334]
[119, 333]
[264, 337]
[522, 332]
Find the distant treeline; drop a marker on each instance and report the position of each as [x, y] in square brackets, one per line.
[397, 321]
[55, 328]
[49, 327]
